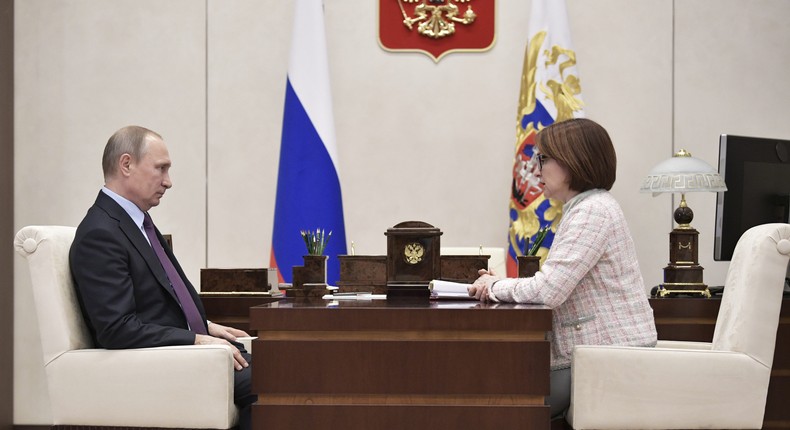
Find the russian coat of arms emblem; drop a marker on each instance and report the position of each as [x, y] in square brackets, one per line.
[437, 27]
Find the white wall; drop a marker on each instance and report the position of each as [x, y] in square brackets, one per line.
[416, 140]
[730, 77]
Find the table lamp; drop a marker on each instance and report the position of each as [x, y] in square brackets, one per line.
[683, 174]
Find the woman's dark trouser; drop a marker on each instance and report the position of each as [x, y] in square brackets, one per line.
[560, 397]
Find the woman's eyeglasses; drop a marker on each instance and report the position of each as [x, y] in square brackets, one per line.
[541, 159]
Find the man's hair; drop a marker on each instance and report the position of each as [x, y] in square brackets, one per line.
[128, 140]
[584, 148]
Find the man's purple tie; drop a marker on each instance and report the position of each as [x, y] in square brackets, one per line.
[187, 304]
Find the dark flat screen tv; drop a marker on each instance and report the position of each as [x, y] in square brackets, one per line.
[757, 173]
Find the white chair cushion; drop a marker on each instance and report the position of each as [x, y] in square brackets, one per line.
[665, 388]
[173, 386]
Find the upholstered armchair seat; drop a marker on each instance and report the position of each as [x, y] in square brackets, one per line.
[176, 387]
[179, 386]
[665, 388]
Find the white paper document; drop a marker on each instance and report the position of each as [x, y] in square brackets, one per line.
[449, 290]
[355, 296]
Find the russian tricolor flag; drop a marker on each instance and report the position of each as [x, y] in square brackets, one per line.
[308, 185]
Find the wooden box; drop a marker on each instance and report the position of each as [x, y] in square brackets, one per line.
[236, 280]
[363, 273]
[463, 268]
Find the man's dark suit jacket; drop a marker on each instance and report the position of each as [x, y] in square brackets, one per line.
[123, 290]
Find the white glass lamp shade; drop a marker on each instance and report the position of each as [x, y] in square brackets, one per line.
[682, 174]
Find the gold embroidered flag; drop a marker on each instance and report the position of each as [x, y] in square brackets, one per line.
[550, 92]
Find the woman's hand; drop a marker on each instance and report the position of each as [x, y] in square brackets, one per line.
[481, 288]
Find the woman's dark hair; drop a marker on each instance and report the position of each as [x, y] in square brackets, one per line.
[584, 148]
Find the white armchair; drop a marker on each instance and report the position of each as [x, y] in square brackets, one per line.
[175, 387]
[689, 385]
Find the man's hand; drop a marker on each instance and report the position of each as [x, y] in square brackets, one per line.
[482, 286]
[223, 332]
[202, 339]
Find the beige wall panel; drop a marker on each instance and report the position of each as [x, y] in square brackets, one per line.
[420, 140]
[248, 44]
[626, 72]
[84, 69]
[731, 67]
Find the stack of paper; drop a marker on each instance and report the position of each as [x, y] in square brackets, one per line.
[449, 290]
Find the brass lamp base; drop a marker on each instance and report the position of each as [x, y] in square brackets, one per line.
[683, 274]
[672, 290]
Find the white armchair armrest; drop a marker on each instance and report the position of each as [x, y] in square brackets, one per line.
[613, 385]
[683, 344]
[201, 376]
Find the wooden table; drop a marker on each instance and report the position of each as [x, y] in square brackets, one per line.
[694, 319]
[400, 365]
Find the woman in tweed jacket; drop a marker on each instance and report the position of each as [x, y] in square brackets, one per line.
[591, 276]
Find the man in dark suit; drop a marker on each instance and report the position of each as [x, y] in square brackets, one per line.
[126, 290]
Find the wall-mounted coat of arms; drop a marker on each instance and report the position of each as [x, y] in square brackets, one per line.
[437, 27]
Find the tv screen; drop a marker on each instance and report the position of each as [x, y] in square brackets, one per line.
[757, 173]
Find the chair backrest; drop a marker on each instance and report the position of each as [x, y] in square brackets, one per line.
[752, 298]
[60, 320]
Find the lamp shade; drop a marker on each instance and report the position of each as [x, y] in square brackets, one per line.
[682, 174]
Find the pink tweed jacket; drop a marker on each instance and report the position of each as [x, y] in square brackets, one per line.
[591, 280]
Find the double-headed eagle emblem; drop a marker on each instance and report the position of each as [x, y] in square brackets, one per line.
[436, 18]
[413, 253]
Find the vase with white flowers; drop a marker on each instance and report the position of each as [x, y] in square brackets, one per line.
[313, 273]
